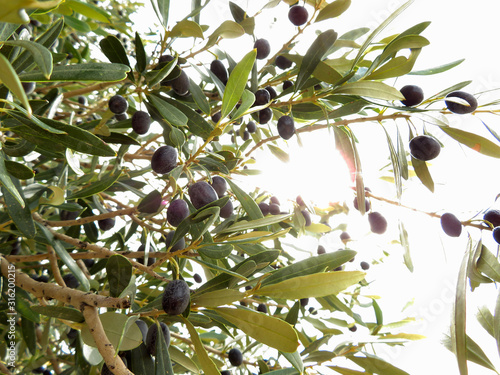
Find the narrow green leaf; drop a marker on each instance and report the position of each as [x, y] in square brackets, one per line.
[344, 146]
[395, 165]
[163, 9]
[295, 359]
[458, 335]
[171, 114]
[237, 82]
[485, 318]
[377, 31]
[310, 266]
[474, 141]
[195, 123]
[11, 80]
[141, 361]
[313, 56]
[98, 72]
[7, 183]
[248, 204]
[218, 298]
[199, 97]
[279, 153]
[237, 12]
[474, 353]
[496, 322]
[88, 10]
[77, 24]
[371, 89]
[186, 29]
[247, 100]
[41, 55]
[207, 365]
[346, 371]
[113, 48]
[163, 364]
[401, 151]
[63, 254]
[403, 238]
[18, 170]
[182, 359]
[69, 136]
[162, 73]
[423, 174]
[60, 312]
[140, 54]
[376, 365]
[488, 264]
[119, 273]
[333, 10]
[266, 329]
[253, 224]
[227, 29]
[315, 285]
[437, 69]
[102, 184]
[29, 334]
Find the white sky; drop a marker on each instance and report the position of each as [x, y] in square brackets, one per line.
[465, 183]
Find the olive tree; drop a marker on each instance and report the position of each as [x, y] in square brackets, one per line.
[123, 209]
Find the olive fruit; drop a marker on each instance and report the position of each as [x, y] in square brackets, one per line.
[493, 216]
[71, 281]
[312, 310]
[274, 200]
[175, 297]
[413, 95]
[262, 97]
[344, 237]
[286, 127]
[164, 159]
[264, 208]
[121, 116]
[143, 327]
[88, 263]
[262, 308]
[353, 328]
[227, 210]
[274, 209]
[265, 115]
[378, 223]
[321, 250]
[263, 48]
[69, 215]
[251, 127]
[201, 193]
[216, 117]
[118, 104]
[180, 85]
[451, 225]
[152, 335]
[356, 205]
[283, 63]
[106, 224]
[424, 147]
[298, 15]
[219, 185]
[28, 87]
[197, 278]
[235, 357]
[458, 107]
[82, 100]
[272, 92]
[141, 122]
[307, 217]
[496, 234]
[179, 245]
[177, 211]
[364, 265]
[304, 302]
[287, 84]
[225, 372]
[219, 70]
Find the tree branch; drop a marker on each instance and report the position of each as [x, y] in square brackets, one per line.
[61, 293]
[113, 361]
